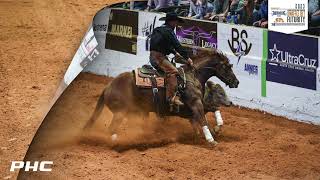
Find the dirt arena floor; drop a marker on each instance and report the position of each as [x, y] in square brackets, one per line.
[252, 145]
[38, 40]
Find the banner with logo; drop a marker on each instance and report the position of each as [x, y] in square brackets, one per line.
[197, 33]
[288, 16]
[147, 23]
[244, 46]
[292, 60]
[122, 31]
[241, 42]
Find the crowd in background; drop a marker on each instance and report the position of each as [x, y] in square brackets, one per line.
[247, 12]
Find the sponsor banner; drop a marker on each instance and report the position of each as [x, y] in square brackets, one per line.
[122, 31]
[288, 16]
[292, 60]
[243, 46]
[197, 33]
[86, 53]
[100, 26]
[240, 41]
[148, 21]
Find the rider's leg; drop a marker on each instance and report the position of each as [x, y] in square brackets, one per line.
[171, 82]
[160, 61]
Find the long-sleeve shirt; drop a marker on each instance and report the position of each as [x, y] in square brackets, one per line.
[196, 10]
[313, 6]
[158, 4]
[220, 6]
[164, 40]
[199, 10]
[263, 12]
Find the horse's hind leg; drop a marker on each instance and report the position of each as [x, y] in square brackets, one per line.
[115, 123]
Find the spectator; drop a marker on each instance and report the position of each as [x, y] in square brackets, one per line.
[255, 14]
[158, 4]
[314, 12]
[176, 2]
[262, 15]
[234, 5]
[220, 11]
[244, 8]
[199, 9]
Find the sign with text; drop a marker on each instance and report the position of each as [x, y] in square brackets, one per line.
[197, 33]
[292, 60]
[288, 16]
[122, 31]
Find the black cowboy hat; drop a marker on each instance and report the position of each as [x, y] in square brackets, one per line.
[171, 16]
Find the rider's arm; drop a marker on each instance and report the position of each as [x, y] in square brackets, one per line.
[178, 48]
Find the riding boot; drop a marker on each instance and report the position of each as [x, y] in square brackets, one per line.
[171, 86]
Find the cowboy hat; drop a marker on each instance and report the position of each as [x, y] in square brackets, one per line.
[171, 16]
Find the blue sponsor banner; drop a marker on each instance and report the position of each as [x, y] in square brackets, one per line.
[292, 60]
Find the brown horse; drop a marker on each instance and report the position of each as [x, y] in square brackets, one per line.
[123, 97]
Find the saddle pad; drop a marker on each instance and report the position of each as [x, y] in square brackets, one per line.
[146, 82]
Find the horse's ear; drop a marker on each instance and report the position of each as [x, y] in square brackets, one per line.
[218, 86]
[210, 85]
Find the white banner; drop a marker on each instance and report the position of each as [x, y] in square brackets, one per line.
[243, 46]
[288, 16]
[147, 22]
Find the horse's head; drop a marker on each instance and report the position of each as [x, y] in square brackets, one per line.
[215, 96]
[216, 64]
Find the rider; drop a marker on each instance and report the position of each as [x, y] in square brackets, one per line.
[164, 42]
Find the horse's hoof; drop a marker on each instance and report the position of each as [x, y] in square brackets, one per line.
[213, 143]
[217, 129]
[114, 137]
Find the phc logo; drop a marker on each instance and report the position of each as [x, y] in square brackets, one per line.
[238, 44]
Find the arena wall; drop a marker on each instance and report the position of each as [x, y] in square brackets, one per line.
[278, 73]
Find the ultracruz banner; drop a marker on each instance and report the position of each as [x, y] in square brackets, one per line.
[292, 60]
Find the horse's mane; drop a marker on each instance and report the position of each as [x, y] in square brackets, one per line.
[204, 52]
[202, 56]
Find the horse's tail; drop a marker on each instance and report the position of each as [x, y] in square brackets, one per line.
[97, 112]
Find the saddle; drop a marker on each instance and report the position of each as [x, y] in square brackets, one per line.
[150, 78]
[145, 75]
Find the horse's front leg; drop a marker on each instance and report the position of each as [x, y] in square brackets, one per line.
[196, 129]
[219, 121]
[199, 116]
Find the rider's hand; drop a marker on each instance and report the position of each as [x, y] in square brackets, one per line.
[190, 62]
[178, 54]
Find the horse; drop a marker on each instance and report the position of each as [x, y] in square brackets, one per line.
[123, 97]
[215, 96]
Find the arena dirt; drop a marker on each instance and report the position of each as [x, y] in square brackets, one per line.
[252, 145]
[38, 40]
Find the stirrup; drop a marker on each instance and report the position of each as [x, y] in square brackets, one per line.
[175, 100]
[175, 104]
